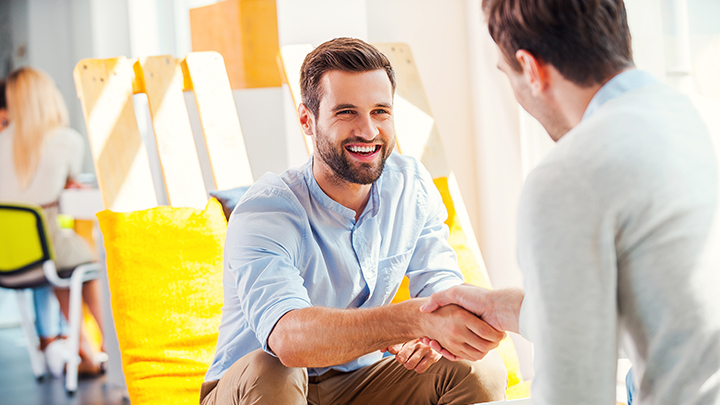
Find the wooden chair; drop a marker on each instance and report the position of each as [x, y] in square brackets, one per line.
[106, 88]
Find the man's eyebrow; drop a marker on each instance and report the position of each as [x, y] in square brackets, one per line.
[383, 105]
[343, 107]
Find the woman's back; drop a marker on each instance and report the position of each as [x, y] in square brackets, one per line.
[60, 159]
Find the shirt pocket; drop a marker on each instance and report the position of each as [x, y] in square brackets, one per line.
[391, 271]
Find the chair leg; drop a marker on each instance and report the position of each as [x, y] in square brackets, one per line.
[75, 310]
[37, 361]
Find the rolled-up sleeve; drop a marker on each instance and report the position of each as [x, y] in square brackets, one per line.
[265, 232]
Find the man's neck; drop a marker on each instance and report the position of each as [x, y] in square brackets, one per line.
[350, 195]
[571, 101]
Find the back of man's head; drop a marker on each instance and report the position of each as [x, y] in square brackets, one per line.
[346, 54]
[587, 41]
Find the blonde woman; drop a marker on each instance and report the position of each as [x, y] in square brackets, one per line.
[39, 156]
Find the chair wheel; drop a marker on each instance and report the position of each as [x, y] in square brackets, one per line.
[70, 393]
[40, 378]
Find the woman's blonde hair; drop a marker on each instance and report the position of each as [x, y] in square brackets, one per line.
[36, 108]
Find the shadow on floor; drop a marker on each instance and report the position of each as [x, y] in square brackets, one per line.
[19, 387]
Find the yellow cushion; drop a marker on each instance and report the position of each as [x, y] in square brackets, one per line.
[165, 272]
[474, 274]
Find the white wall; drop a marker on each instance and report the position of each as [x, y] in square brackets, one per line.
[438, 38]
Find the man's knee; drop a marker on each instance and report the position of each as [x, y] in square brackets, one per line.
[479, 381]
[261, 378]
[490, 376]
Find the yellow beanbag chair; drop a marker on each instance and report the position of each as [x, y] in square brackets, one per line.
[165, 273]
[473, 273]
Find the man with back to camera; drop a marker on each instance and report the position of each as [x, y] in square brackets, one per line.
[619, 227]
[313, 258]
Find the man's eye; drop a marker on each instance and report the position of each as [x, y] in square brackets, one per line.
[345, 112]
[382, 111]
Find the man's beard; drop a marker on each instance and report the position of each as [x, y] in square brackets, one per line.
[360, 173]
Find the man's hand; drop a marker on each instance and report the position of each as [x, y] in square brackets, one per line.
[499, 308]
[461, 333]
[414, 355]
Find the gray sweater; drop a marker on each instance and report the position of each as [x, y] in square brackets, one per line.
[619, 243]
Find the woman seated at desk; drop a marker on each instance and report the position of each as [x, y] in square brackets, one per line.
[39, 156]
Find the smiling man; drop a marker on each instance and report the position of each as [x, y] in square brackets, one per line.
[314, 257]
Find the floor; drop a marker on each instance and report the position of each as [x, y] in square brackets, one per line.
[19, 387]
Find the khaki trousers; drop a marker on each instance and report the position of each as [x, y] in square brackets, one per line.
[259, 378]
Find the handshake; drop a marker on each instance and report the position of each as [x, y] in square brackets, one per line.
[462, 322]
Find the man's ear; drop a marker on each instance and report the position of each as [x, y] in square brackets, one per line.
[306, 120]
[534, 70]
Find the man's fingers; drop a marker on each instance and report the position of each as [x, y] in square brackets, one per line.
[449, 355]
[437, 300]
[395, 349]
[429, 359]
[485, 331]
[413, 360]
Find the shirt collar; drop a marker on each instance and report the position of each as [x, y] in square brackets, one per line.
[372, 208]
[618, 85]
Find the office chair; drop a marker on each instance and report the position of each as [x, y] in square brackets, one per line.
[27, 261]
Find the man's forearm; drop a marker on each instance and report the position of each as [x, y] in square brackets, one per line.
[321, 337]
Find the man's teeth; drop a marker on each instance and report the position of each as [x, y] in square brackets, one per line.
[362, 149]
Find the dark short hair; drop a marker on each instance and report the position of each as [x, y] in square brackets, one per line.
[587, 41]
[346, 54]
[3, 100]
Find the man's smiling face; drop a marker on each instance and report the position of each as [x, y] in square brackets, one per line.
[354, 132]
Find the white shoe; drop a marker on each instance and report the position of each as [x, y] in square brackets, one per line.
[56, 355]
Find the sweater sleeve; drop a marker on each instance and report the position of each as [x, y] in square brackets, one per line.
[567, 255]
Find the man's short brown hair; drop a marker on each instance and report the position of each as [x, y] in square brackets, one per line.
[346, 54]
[587, 41]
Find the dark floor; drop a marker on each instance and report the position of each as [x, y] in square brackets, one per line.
[19, 387]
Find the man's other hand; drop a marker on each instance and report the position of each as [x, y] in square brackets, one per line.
[499, 308]
[414, 355]
[461, 333]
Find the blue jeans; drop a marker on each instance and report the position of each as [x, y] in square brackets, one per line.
[49, 321]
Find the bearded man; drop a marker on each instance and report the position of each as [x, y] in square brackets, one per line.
[314, 257]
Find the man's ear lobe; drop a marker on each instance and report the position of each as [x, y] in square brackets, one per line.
[306, 119]
[534, 70]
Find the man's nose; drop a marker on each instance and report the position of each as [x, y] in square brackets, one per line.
[367, 128]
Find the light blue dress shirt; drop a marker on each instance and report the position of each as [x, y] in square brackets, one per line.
[620, 84]
[290, 246]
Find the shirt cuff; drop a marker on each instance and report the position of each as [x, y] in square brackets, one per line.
[524, 320]
[272, 316]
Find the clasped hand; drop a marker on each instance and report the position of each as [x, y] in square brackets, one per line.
[414, 355]
[459, 334]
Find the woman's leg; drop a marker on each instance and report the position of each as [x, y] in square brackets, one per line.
[49, 322]
[91, 296]
[86, 352]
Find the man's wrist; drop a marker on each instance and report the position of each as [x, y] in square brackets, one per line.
[506, 307]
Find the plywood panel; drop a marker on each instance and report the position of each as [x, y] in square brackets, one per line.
[205, 75]
[163, 82]
[105, 89]
[290, 59]
[245, 33]
[415, 128]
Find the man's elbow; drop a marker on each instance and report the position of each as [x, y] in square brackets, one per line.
[286, 352]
